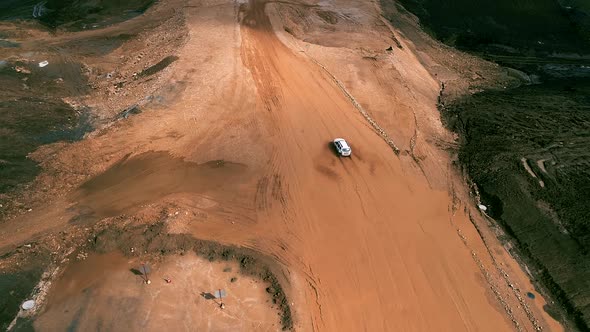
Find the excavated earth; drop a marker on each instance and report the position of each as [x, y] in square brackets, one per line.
[212, 120]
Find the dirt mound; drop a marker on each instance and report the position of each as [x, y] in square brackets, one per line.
[155, 240]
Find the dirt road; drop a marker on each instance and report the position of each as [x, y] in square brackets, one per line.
[366, 243]
[374, 240]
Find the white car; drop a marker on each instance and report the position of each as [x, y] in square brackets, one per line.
[342, 147]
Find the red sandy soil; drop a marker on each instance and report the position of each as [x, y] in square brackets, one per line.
[109, 292]
[381, 241]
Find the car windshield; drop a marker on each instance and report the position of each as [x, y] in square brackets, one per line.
[346, 149]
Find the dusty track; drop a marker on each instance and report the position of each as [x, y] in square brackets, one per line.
[374, 241]
[366, 243]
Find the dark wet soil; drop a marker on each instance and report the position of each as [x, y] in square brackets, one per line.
[549, 125]
[150, 176]
[17, 286]
[23, 325]
[536, 27]
[73, 14]
[96, 45]
[33, 113]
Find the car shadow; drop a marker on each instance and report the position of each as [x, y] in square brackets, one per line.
[332, 148]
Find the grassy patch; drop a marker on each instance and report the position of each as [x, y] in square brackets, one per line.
[16, 287]
[549, 126]
[539, 26]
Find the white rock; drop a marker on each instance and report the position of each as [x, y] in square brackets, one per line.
[28, 305]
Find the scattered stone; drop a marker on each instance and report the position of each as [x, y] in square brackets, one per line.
[23, 70]
[28, 305]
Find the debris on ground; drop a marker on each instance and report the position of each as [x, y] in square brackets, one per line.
[28, 305]
[23, 70]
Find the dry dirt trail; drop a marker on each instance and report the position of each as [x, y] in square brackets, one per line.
[373, 239]
[366, 244]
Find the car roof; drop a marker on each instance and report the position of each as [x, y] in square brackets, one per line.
[341, 142]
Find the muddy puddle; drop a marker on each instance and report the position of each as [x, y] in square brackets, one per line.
[148, 177]
[80, 276]
[73, 296]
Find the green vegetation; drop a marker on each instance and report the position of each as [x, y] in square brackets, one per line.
[542, 26]
[73, 14]
[17, 287]
[549, 126]
[32, 113]
[528, 149]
